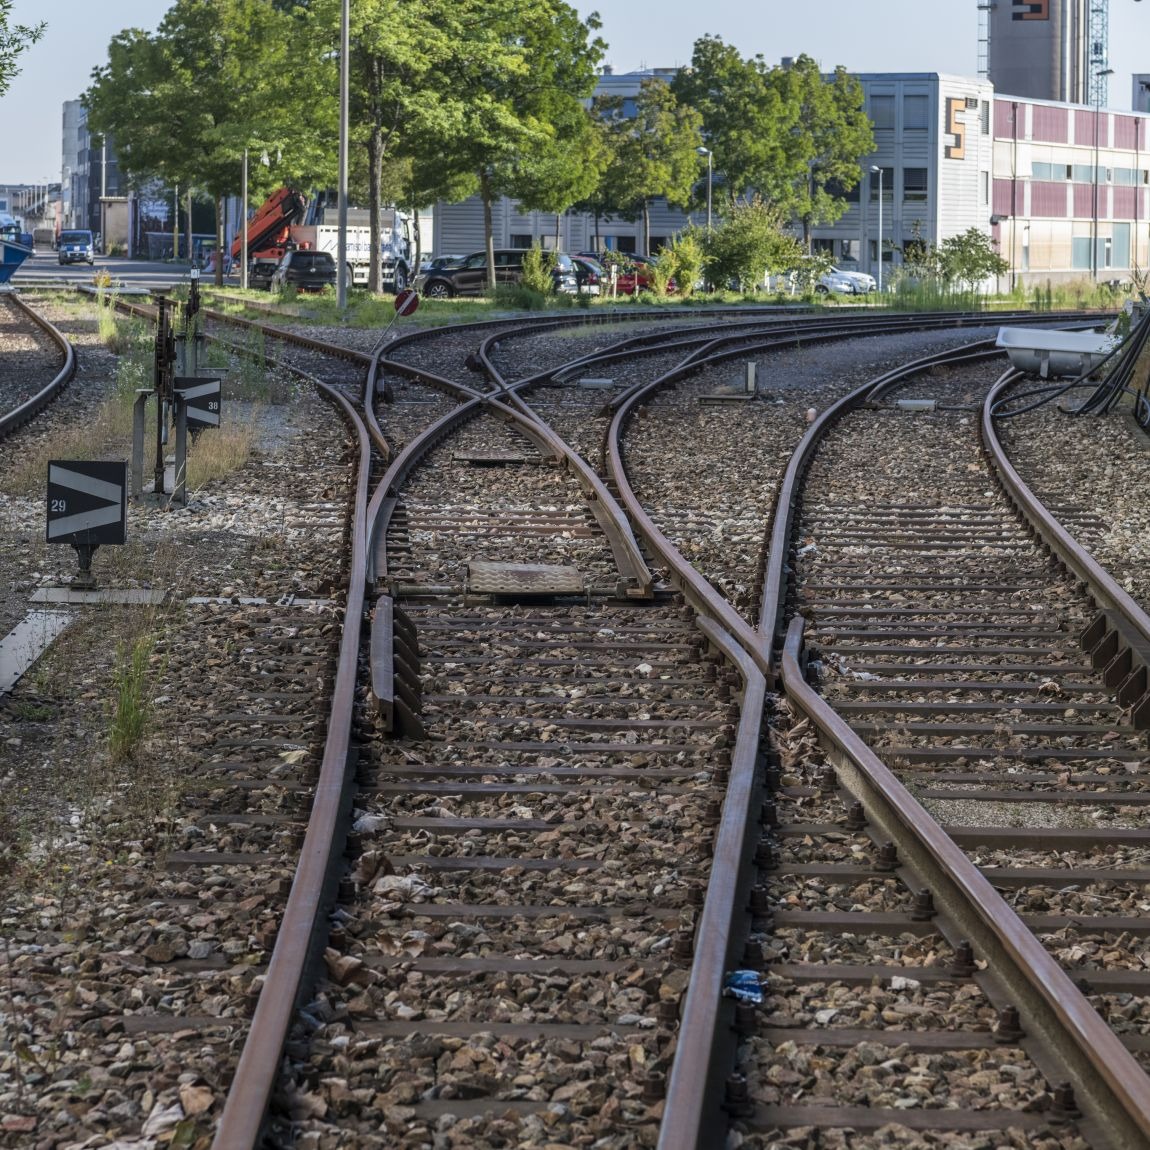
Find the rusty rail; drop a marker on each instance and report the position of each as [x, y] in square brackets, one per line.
[1108, 1082]
[301, 927]
[18, 416]
[706, 1043]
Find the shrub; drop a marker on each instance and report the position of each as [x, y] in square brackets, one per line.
[688, 258]
[537, 268]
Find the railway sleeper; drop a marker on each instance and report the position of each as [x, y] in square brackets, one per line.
[1123, 656]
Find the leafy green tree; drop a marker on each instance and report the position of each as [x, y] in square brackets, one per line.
[745, 119]
[216, 78]
[749, 243]
[509, 118]
[654, 154]
[790, 136]
[830, 135]
[14, 40]
[970, 258]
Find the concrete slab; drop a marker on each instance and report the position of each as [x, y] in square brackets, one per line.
[124, 596]
[26, 642]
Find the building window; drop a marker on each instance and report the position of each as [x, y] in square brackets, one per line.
[914, 185]
[1080, 253]
[850, 250]
[915, 113]
[626, 244]
[838, 192]
[887, 185]
[882, 111]
[1121, 249]
[985, 187]
[521, 241]
[823, 246]
[984, 117]
[1043, 172]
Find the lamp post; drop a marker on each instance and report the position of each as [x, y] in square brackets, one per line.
[1094, 198]
[876, 168]
[344, 72]
[710, 159]
[244, 225]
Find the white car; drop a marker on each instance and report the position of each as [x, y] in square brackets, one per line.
[865, 282]
[838, 282]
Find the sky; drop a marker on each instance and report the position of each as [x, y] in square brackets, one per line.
[862, 35]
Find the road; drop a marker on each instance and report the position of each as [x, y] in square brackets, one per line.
[44, 268]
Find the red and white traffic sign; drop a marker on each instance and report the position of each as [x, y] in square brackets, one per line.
[406, 301]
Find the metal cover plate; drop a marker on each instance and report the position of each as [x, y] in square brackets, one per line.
[27, 642]
[486, 578]
[494, 458]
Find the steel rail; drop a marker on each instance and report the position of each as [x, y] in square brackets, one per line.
[775, 576]
[823, 334]
[314, 883]
[625, 550]
[1102, 586]
[1109, 1084]
[31, 407]
[706, 1046]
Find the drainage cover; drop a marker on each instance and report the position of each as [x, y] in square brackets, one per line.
[485, 578]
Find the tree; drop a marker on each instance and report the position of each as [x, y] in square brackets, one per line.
[744, 119]
[827, 140]
[14, 40]
[749, 243]
[654, 155]
[509, 118]
[970, 258]
[788, 135]
[218, 77]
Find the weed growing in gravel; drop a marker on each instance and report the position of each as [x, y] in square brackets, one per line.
[219, 451]
[129, 720]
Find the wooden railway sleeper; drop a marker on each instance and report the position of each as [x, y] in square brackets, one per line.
[1123, 657]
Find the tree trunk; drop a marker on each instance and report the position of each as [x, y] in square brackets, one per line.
[488, 229]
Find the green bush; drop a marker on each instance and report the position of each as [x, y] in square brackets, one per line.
[537, 268]
[688, 259]
[521, 296]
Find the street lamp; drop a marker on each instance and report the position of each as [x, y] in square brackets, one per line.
[244, 225]
[708, 153]
[1094, 199]
[876, 168]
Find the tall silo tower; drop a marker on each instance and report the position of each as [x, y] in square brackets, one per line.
[1049, 49]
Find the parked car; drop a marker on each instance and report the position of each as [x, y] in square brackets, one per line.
[863, 282]
[563, 273]
[867, 281]
[590, 274]
[75, 247]
[304, 269]
[634, 271]
[429, 264]
[468, 276]
[260, 272]
[838, 282]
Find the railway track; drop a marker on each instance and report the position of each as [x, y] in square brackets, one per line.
[521, 949]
